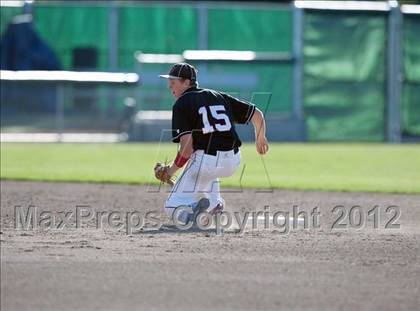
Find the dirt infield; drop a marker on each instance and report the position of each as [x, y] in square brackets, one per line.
[317, 268]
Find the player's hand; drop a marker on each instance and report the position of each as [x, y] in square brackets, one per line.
[262, 145]
[162, 173]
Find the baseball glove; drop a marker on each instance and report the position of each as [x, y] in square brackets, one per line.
[161, 173]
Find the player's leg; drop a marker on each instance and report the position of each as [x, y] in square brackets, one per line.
[200, 179]
[212, 191]
[183, 214]
[224, 165]
[227, 163]
[184, 194]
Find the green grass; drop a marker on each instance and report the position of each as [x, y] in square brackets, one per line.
[340, 167]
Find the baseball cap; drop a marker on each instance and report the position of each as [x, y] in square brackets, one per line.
[181, 71]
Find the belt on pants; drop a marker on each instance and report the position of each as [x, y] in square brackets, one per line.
[213, 152]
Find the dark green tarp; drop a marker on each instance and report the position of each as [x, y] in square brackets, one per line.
[344, 75]
[411, 86]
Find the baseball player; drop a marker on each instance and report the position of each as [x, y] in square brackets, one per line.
[203, 124]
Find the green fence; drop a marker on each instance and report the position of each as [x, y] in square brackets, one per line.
[6, 16]
[344, 71]
[255, 30]
[68, 27]
[157, 29]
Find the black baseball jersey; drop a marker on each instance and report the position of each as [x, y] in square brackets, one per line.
[210, 117]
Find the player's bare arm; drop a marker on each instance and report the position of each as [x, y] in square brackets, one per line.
[259, 126]
[165, 172]
[185, 151]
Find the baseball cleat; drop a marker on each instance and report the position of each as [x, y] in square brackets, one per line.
[201, 205]
[218, 209]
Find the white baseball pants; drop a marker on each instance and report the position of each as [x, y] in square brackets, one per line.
[201, 179]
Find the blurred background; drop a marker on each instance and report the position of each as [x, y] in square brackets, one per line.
[320, 70]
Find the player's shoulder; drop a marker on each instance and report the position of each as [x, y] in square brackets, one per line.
[212, 93]
[186, 96]
[191, 94]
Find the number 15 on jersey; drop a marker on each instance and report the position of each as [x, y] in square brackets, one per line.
[218, 112]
